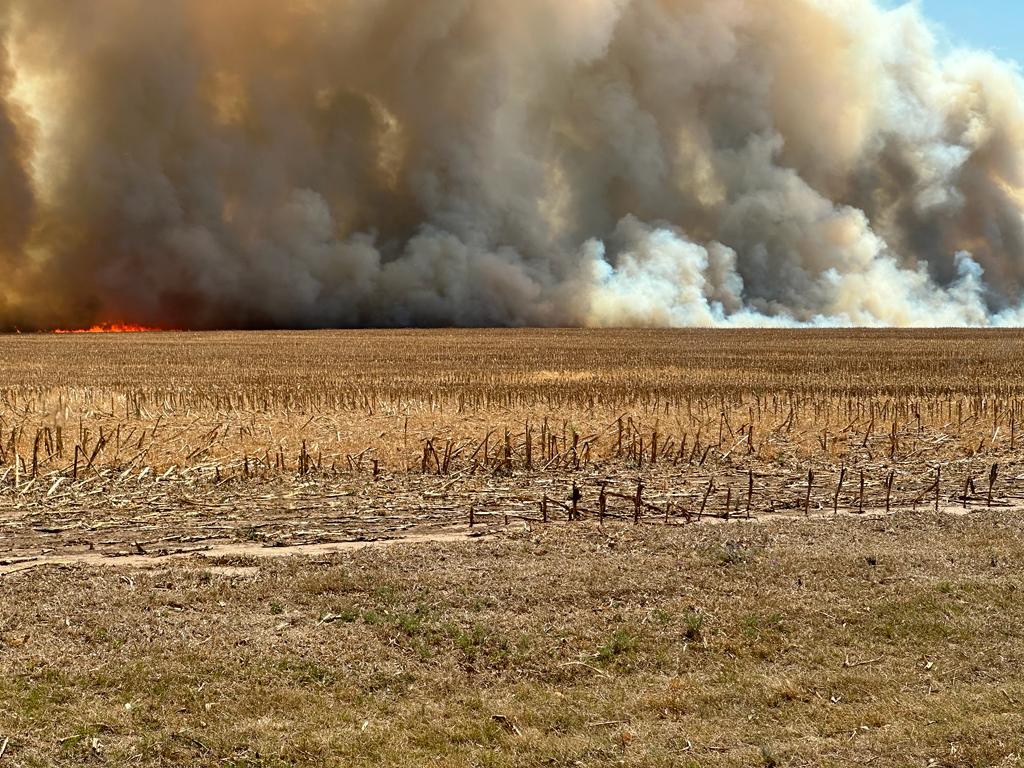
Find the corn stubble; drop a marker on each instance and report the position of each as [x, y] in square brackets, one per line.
[488, 427]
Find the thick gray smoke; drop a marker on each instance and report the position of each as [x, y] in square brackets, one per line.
[574, 162]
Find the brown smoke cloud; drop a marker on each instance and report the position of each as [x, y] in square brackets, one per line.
[248, 163]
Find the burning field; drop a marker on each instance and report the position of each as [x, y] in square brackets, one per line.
[107, 328]
[525, 547]
[773, 543]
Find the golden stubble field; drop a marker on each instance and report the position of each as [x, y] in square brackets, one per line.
[512, 548]
[124, 443]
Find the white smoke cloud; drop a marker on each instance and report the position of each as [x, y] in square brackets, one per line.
[503, 162]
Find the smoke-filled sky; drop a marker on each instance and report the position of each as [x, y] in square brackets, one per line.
[254, 163]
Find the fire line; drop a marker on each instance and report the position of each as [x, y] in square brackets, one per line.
[108, 328]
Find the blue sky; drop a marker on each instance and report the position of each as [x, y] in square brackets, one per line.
[996, 25]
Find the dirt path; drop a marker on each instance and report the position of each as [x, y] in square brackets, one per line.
[235, 550]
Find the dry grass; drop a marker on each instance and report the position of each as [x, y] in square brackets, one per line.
[890, 642]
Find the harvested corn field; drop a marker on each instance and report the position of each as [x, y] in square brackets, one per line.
[121, 444]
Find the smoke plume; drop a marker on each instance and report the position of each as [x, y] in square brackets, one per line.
[258, 163]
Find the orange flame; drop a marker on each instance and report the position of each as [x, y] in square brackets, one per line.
[109, 328]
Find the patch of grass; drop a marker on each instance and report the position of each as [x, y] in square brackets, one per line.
[693, 624]
[410, 624]
[661, 616]
[733, 553]
[768, 757]
[305, 671]
[925, 616]
[471, 642]
[330, 582]
[622, 642]
[371, 617]
[385, 595]
[34, 694]
[346, 614]
[757, 624]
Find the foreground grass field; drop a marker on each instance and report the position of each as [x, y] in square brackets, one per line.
[865, 641]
